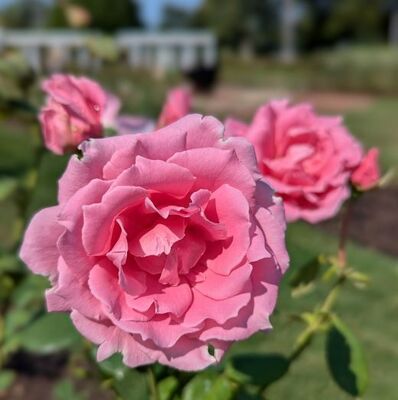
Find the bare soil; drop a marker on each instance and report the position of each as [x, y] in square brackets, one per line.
[374, 221]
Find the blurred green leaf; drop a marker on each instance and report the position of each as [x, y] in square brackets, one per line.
[6, 286]
[346, 359]
[303, 279]
[6, 379]
[14, 320]
[10, 263]
[257, 369]
[64, 390]
[113, 366]
[11, 225]
[17, 147]
[30, 292]
[167, 387]
[50, 170]
[133, 386]
[48, 334]
[209, 387]
[7, 187]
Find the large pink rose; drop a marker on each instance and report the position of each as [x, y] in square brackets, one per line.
[165, 246]
[74, 111]
[306, 158]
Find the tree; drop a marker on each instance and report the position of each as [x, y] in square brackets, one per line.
[107, 16]
[241, 22]
[327, 22]
[24, 14]
[175, 17]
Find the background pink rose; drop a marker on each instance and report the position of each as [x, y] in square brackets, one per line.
[177, 105]
[308, 159]
[162, 244]
[367, 174]
[73, 113]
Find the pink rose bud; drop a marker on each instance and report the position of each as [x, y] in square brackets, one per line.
[73, 112]
[307, 159]
[367, 174]
[165, 246]
[178, 105]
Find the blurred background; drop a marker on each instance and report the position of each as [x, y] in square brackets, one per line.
[340, 55]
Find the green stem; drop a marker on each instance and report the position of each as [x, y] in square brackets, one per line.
[342, 253]
[307, 335]
[152, 384]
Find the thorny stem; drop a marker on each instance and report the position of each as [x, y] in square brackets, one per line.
[345, 220]
[307, 335]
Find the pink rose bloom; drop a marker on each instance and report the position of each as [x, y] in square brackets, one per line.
[367, 175]
[306, 158]
[73, 113]
[178, 104]
[166, 246]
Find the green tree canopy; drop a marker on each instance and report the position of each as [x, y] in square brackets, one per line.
[107, 16]
[236, 22]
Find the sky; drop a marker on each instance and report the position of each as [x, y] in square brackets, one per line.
[151, 10]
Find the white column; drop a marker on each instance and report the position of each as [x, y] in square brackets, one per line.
[135, 56]
[83, 58]
[165, 60]
[188, 57]
[32, 54]
[210, 55]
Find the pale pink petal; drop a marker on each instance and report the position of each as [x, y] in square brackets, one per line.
[39, 248]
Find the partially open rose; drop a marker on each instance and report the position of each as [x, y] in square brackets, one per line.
[166, 246]
[73, 112]
[308, 159]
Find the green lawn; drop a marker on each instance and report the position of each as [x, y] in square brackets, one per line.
[378, 126]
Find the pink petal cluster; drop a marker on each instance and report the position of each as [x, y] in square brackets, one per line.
[163, 244]
[73, 112]
[367, 175]
[307, 159]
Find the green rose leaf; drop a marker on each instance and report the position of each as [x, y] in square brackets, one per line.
[30, 292]
[209, 387]
[346, 359]
[133, 386]
[167, 387]
[7, 187]
[303, 279]
[258, 369]
[48, 334]
[114, 367]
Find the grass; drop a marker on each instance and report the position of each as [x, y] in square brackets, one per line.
[369, 69]
[378, 126]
